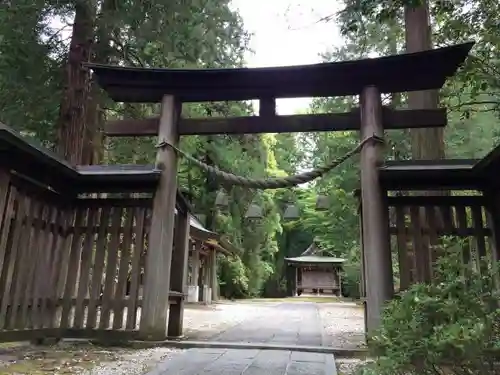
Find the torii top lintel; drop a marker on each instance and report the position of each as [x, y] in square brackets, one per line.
[397, 73]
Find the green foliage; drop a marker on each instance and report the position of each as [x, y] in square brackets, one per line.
[377, 28]
[30, 69]
[160, 33]
[351, 277]
[450, 326]
[193, 33]
[234, 280]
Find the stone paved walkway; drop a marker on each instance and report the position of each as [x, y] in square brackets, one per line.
[285, 324]
[246, 362]
[296, 323]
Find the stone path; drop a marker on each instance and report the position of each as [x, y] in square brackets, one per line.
[296, 323]
[246, 362]
[287, 324]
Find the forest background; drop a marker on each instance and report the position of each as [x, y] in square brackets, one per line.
[46, 94]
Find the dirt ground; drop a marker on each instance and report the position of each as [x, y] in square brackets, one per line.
[342, 324]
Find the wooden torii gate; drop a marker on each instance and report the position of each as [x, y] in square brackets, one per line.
[368, 78]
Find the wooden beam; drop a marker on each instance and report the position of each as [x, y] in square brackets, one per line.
[267, 107]
[392, 119]
[132, 128]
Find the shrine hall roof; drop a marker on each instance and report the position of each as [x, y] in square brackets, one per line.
[397, 73]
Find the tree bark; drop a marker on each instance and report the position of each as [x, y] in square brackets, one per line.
[426, 143]
[211, 186]
[102, 54]
[73, 135]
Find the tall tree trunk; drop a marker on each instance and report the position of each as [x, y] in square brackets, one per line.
[396, 101]
[73, 135]
[426, 143]
[211, 186]
[102, 54]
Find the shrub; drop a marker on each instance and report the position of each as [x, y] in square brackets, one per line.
[234, 281]
[351, 280]
[448, 327]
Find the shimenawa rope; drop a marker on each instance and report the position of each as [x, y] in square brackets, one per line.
[271, 183]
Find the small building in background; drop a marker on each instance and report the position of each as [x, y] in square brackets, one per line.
[314, 273]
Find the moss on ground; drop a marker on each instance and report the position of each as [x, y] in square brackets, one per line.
[62, 358]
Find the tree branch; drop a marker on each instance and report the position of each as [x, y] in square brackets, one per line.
[55, 34]
[325, 19]
[475, 102]
[127, 53]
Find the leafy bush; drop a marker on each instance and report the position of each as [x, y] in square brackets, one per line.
[275, 287]
[451, 326]
[351, 275]
[351, 280]
[234, 281]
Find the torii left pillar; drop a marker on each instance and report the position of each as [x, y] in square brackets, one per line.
[159, 255]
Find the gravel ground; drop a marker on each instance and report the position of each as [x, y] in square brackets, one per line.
[133, 363]
[348, 366]
[343, 324]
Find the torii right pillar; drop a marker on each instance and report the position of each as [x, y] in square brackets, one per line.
[379, 287]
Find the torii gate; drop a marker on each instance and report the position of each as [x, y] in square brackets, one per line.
[368, 78]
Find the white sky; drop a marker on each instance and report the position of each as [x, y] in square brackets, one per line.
[287, 32]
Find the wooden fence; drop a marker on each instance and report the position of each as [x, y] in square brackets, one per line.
[419, 224]
[70, 268]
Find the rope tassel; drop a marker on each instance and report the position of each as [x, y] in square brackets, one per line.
[271, 183]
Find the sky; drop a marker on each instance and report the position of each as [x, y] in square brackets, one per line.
[287, 32]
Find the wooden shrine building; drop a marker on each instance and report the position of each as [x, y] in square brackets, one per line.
[312, 272]
[202, 284]
[60, 246]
